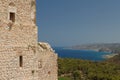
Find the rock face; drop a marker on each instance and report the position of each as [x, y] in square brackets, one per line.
[21, 56]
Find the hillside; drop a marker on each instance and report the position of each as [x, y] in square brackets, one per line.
[76, 69]
[101, 47]
[115, 59]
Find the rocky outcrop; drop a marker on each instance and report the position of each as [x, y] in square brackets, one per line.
[44, 46]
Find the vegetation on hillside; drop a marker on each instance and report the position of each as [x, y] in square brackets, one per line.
[115, 59]
[76, 69]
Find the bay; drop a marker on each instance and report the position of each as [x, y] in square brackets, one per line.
[80, 54]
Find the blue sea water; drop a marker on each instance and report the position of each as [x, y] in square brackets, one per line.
[80, 54]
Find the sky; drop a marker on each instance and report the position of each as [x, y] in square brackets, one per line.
[73, 22]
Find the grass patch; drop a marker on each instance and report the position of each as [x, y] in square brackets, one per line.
[64, 78]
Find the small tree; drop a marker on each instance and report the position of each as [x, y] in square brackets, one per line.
[76, 75]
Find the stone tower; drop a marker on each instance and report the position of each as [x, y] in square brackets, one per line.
[21, 56]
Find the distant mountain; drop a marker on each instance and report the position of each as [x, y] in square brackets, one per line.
[101, 47]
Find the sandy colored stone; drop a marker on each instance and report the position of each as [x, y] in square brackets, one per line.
[19, 38]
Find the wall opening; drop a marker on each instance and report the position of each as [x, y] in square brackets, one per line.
[33, 72]
[12, 16]
[21, 61]
[39, 64]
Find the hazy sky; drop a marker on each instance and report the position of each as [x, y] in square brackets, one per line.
[71, 22]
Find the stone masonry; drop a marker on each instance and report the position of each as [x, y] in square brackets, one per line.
[21, 56]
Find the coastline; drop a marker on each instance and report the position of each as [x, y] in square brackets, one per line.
[96, 50]
[108, 56]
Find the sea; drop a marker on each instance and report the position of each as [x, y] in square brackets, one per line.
[80, 54]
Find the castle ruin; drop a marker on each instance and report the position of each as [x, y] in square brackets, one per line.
[21, 56]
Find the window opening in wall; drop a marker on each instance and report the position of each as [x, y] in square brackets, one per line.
[12, 16]
[20, 61]
[39, 64]
[33, 72]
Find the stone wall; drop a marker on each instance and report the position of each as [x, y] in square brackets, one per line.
[19, 38]
[9, 63]
[24, 10]
[38, 64]
[16, 35]
[47, 70]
